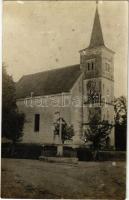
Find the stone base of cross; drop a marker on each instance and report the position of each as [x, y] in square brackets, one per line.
[60, 150]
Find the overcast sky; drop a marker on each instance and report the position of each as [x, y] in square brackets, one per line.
[42, 35]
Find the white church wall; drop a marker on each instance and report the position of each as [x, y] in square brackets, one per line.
[76, 109]
[47, 117]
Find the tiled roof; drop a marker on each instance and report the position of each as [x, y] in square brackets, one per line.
[48, 82]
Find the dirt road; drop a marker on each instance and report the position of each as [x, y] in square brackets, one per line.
[37, 179]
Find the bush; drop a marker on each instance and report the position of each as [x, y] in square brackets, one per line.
[12, 119]
[84, 154]
[111, 156]
[24, 151]
[69, 152]
[49, 150]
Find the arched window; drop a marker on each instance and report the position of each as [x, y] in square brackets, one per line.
[107, 115]
[107, 67]
[107, 92]
[88, 66]
[92, 64]
[103, 87]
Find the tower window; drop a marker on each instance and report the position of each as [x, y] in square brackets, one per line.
[88, 66]
[107, 115]
[107, 67]
[92, 64]
[104, 117]
[107, 92]
[36, 122]
[103, 87]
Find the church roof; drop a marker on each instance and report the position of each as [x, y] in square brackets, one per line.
[97, 35]
[48, 82]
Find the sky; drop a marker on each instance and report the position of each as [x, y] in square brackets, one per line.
[42, 35]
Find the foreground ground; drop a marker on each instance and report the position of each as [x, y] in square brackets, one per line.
[38, 179]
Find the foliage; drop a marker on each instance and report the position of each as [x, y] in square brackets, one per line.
[98, 133]
[12, 120]
[21, 150]
[120, 106]
[67, 131]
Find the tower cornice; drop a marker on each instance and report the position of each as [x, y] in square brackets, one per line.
[96, 49]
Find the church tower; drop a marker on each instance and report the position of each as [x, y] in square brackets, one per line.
[97, 65]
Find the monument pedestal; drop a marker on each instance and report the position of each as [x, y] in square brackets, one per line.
[59, 144]
[60, 150]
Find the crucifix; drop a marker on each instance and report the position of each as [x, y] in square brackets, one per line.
[59, 146]
[60, 129]
[59, 119]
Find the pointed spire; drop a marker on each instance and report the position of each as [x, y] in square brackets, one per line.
[97, 4]
[97, 35]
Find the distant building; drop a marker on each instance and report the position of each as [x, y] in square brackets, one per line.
[76, 93]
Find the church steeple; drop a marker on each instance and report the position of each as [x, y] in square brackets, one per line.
[97, 35]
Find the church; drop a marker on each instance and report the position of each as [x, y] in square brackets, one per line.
[75, 93]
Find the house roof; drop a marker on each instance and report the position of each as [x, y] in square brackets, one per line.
[97, 35]
[48, 82]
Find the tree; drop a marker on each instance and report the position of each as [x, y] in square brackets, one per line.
[120, 107]
[67, 131]
[12, 120]
[98, 133]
